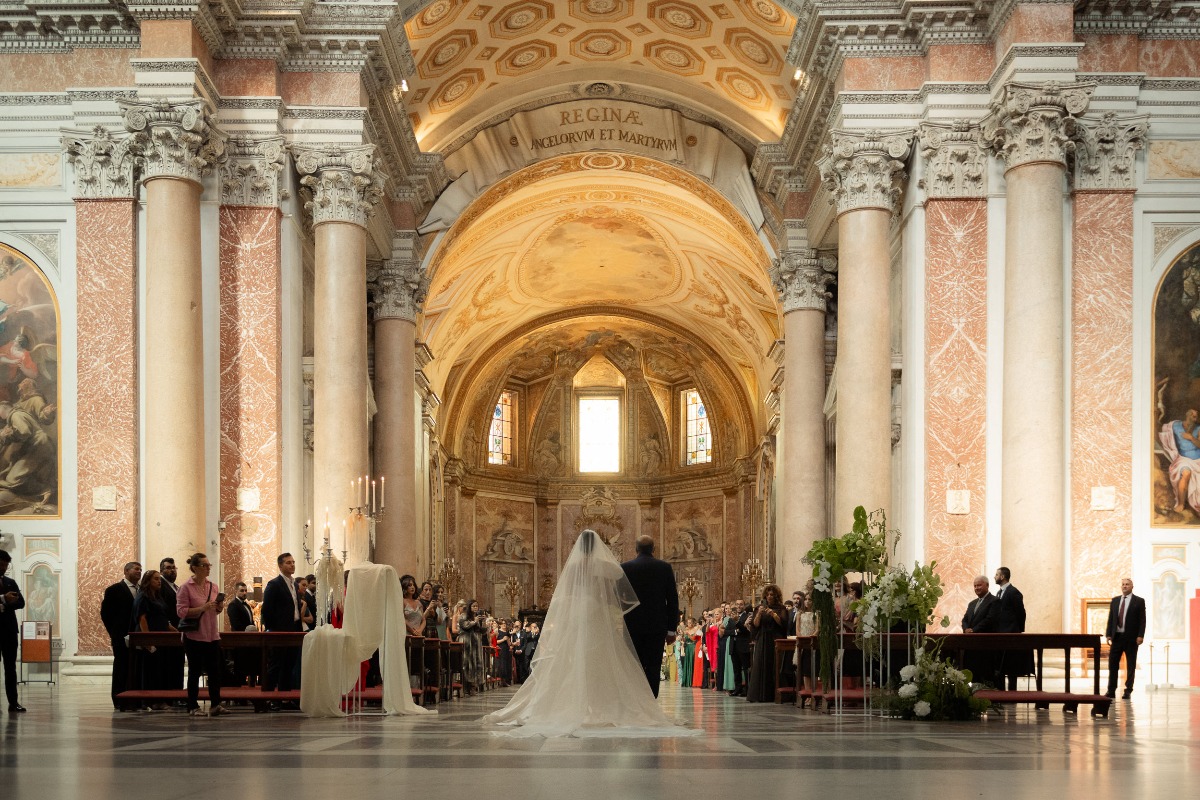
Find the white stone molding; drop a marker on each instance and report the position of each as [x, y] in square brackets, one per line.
[1105, 150]
[173, 139]
[252, 174]
[342, 184]
[398, 289]
[955, 161]
[1031, 123]
[800, 278]
[103, 164]
[866, 170]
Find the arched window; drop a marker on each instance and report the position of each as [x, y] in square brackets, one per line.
[501, 432]
[600, 433]
[697, 433]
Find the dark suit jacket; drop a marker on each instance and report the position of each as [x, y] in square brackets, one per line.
[169, 596]
[981, 615]
[1010, 611]
[116, 611]
[1135, 617]
[240, 615]
[278, 608]
[743, 638]
[658, 611]
[8, 617]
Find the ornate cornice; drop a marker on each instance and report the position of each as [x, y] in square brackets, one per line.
[173, 139]
[1105, 150]
[398, 289]
[103, 164]
[252, 174]
[342, 184]
[955, 162]
[800, 278]
[866, 170]
[1031, 123]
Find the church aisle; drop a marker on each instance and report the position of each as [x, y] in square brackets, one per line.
[71, 745]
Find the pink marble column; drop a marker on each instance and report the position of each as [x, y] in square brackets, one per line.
[955, 359]
[251, 455]
[865, 174]
[106, 263]
[1102, 355]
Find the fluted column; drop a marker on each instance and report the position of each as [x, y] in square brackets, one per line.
[800, 279]
[107, 454]
[344, 187]
[1029, 128]
[177, 147]
[865, 174]
[399, 286]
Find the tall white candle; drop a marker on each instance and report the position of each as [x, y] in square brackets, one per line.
[382, 491]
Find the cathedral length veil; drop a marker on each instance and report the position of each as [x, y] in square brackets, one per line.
[586, 678]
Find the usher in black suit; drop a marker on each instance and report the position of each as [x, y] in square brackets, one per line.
[8, 637]
[1124, 633]
[656, 615]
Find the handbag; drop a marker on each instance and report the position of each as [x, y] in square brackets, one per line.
[191, 624]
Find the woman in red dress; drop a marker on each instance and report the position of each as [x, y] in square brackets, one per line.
[697, 635]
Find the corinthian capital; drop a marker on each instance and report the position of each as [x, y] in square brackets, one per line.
[398, 289]
[1105, 150]
[253, 171]
[800, 278]
[103, 164]
[343, 184]
[173, 139]
[955, 162]
[866, 170]
[1029, 123]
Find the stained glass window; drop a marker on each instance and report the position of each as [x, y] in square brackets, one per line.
[599, 434]
[500, 433]
[698, 433]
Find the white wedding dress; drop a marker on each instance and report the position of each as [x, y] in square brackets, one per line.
[586, 679]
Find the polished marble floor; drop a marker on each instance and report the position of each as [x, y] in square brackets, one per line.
[71, 744]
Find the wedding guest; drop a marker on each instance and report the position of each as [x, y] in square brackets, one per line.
[150, 615]
[1124, 632]
[414, 615]
[11, 602]
[766, 625]
[743, 640]
[116, 612]
[807, 624]
[171, 657]
[503, 654]
[199, 601]
[471, 634]
[246, 662]
[712, 650]
[442, 602]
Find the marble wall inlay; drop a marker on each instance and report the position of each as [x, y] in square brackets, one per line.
[30, 170]
[1174, 160]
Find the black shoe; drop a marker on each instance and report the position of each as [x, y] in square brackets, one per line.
[16, 708]
[1111, 695]
[1128, 694]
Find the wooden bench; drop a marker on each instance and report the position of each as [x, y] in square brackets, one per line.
[1042, 700]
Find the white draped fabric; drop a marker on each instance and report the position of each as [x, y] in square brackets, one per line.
[586, 678]
[373, 620]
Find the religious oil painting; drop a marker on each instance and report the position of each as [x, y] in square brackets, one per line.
[29, 398]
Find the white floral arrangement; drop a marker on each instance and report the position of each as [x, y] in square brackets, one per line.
[934, 689]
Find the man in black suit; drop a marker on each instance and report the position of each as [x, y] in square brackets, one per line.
[1125, 631]
[241, 618]
[980, 618]
[739, 643]
[116, 612]
[653, 622]
[1010, 618]
[11, 601]
[171, 658]
[310, 597]
[280, 613]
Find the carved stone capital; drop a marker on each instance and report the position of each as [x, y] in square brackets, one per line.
[866, 170]
[800, 278]
[103, 164]
[342, 184]
[173, 139]
[398, 288]
[1105, 150]
[252, 174]
[1032, 123]
[955, 161]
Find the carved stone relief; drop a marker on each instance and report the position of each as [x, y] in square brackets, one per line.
[173, 140]
[866, 170]
[1105, 150]
[955, 161]
[1031, 122]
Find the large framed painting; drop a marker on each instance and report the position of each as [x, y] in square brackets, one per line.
[30, 457]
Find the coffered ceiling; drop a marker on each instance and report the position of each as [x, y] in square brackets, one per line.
[475, 62]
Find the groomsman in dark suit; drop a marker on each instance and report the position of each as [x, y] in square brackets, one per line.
[740, 640]
[116, 612]
[171, 658]
[980, 618]
[11, 601]
[1125, 631]
[1010, 618]
[281, 612]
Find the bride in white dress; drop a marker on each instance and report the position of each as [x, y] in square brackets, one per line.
[586, 679]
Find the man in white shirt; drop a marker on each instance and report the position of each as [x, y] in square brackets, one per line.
[1125, 631]
[281, 613]
[116, 612]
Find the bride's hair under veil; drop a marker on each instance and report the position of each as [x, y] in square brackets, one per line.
[586, 679]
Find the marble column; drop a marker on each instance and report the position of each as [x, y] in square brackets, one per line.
[1102, 277]
[344, 187]
[177, 147]
[800, 279]
[251, 453]
[865, 174]
[399, 286]
[106, 265]
[955, 357]
[1028, 128]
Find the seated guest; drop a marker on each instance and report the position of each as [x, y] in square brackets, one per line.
[980, 617]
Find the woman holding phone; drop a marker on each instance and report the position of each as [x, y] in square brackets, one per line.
[199, 603]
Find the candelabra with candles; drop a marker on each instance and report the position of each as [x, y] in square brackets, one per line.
[513, 590]
[367, 505]
[325, 552]
[450, 576]
[752, 577]
[690, 588]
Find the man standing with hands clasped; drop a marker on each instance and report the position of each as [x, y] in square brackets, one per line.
[1125, 631]
[11, 601]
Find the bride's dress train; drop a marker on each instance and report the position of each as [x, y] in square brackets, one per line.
[586, 679]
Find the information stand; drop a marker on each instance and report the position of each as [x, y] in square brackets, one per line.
[37, 648]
